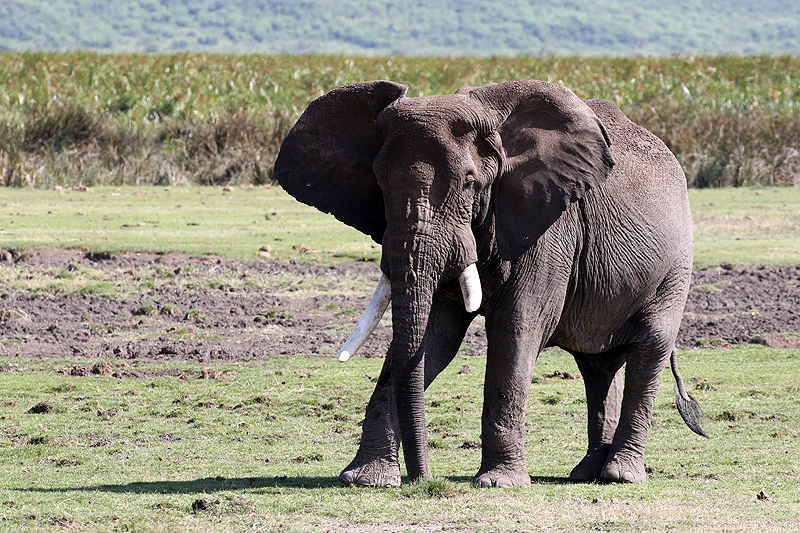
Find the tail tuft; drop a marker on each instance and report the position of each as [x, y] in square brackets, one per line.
[689, 408]
[691, 412]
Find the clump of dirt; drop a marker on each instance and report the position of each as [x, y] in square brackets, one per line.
[727, 305]
[42, 408]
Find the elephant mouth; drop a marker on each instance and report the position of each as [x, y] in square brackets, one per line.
[471, 290]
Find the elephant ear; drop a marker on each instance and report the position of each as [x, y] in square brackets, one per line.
[326, 159]
[555, 149]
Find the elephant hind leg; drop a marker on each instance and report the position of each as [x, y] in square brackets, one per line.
[602, 378]
[643, 369]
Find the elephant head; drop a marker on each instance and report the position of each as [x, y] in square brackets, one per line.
[444, 183]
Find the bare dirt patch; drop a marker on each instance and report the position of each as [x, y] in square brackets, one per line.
[736, 305]
[218, 322]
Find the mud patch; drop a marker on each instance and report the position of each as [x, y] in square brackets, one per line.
[225, 321]
[739, 305]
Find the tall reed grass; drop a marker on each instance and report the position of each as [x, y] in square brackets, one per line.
[133, 119]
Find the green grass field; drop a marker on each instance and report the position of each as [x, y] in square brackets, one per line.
[257, 445]
[236, 223]
[734, 225]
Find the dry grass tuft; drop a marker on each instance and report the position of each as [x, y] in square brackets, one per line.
[729, 148]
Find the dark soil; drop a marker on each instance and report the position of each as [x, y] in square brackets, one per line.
[737, 305]
[727, 306]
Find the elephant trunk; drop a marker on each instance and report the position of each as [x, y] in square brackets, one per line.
[414, 279]
[416, 263]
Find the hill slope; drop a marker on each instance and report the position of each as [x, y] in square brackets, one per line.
[412, 27]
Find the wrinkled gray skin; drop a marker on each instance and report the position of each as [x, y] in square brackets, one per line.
[578, 221]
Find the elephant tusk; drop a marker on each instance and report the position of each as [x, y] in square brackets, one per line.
[372, 315]
[471, 288]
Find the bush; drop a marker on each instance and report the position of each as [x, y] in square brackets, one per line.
[219, 120]
[729, 148]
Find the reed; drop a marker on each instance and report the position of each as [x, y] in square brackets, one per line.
[193, 118]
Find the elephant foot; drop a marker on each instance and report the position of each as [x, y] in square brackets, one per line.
[624, 468]
[378, 472]
[505, 476]
[591, 465]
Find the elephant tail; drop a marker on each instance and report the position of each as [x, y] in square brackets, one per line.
[689, 408]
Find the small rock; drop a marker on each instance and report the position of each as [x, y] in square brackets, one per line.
[100, 368]
[560, 374]
[77, 370]
[265, 251]
[200, 505]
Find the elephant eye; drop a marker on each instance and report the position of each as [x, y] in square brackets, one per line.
[471, 186]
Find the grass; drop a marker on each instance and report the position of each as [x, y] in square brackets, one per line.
[257, 446]
[204, 119]
[734, 225]
[238, 223]
[745, 226]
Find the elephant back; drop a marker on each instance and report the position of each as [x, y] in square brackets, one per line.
[636, 146]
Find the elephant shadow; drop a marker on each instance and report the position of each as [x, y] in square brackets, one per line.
[206, 485]
[535, 480]
[210, 485]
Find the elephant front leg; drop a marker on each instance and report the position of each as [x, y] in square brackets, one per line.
[376, 463]
[602, 379]
[509, 366]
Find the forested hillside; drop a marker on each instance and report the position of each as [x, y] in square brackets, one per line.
[412, 27]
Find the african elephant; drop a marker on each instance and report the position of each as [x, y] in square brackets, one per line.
[559, 220]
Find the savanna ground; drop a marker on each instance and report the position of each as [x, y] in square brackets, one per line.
[148, 389]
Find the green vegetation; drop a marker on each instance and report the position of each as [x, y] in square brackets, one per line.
[83, 118]
[746, 226]
[735, 225]
[240, 223]
[257, 446]
[430, 27]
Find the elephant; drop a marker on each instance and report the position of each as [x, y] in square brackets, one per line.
[559, 220]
